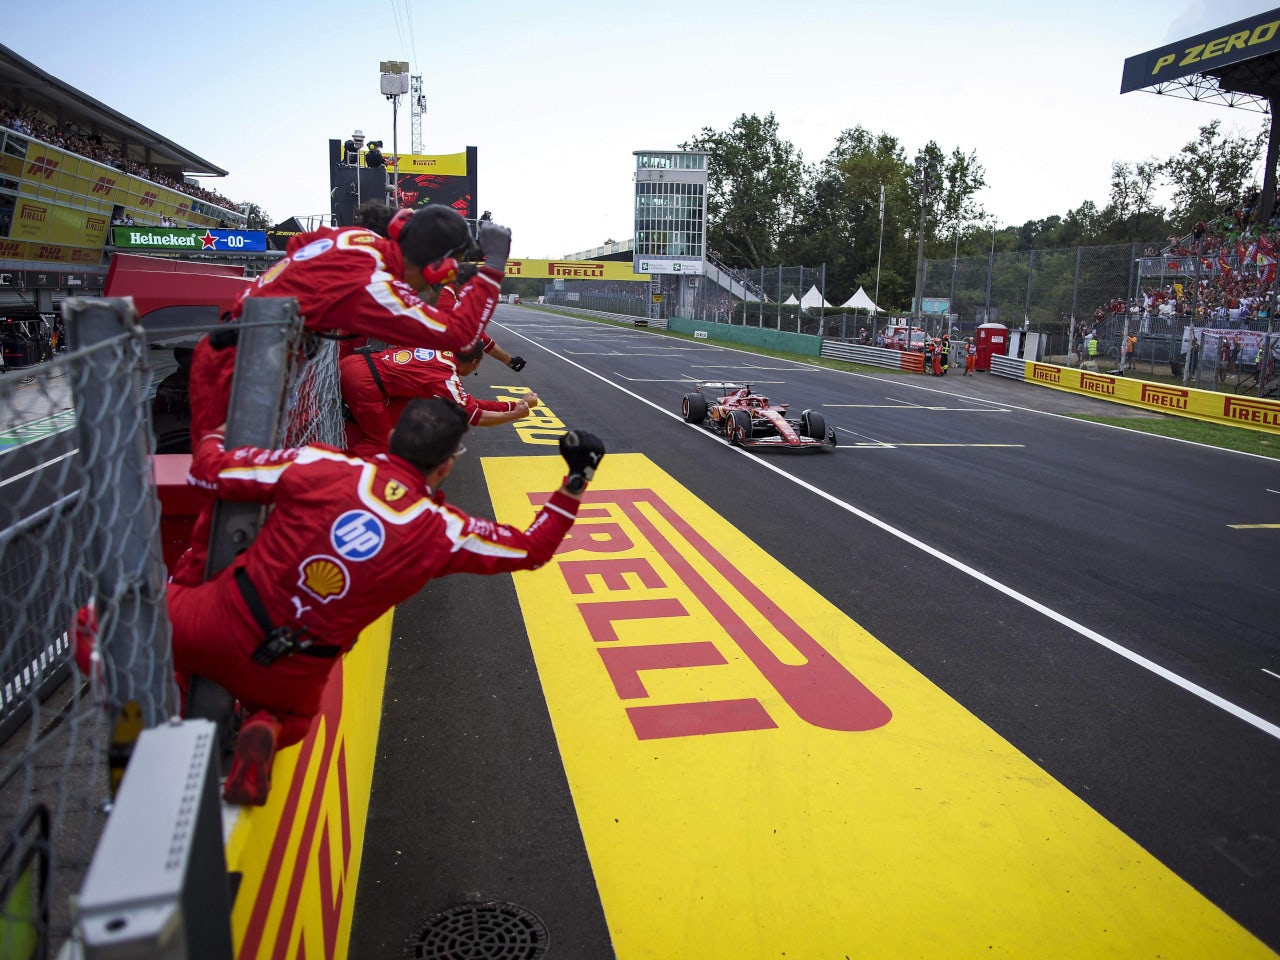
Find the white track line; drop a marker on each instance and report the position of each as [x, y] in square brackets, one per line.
[1266, 726]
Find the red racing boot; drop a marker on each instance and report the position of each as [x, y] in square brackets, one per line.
[250, 777]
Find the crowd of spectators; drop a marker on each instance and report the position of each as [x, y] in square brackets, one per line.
[30, 124]
[1221, 275]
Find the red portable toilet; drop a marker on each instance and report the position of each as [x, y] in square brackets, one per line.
[990, 338]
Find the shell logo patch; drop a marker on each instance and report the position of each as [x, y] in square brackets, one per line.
[324, 578]
[274, 272]
[402, 356]
[357, 535]
[313, 249]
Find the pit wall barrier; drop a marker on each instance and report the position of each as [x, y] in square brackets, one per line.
[804, 344]
[298, 857]
[1254, 413]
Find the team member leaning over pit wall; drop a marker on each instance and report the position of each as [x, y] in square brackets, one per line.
[347, 538]
[354, 280]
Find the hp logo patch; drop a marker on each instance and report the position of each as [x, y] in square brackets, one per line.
[422, 353]
[357, 535]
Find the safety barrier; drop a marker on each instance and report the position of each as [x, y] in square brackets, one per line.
[804, 344]
[1011, 367]
[873, 356]
[1237, 411]
[600, 315]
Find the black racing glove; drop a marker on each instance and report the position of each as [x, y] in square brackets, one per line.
[224, 336]
[516, 364]
[495, 242]
[583, 452]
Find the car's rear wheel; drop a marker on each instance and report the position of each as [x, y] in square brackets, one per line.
[738, 427]
[814, 424]
[694, 408]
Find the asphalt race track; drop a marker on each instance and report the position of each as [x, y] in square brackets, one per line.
[1094, 608]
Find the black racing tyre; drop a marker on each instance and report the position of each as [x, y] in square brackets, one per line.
[738, 427]
[694, 408]
[815, 425]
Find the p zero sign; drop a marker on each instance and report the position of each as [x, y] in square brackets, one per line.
[189, 240]
[1243, 40]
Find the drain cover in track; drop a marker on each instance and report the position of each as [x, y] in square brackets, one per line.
[480, 931]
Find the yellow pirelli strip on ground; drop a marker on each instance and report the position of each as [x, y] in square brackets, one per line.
[757, 777]
[299, 855]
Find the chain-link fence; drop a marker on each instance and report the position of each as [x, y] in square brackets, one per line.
[78, 519]
[777, 298]
[1116, 290]
[80, 553]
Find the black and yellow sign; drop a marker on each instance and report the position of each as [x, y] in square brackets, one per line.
[1242, 40]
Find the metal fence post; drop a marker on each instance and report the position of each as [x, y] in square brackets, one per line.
[1031, 269]
[1075, 301]
[778, 296]
[268, 327]
[130, 574]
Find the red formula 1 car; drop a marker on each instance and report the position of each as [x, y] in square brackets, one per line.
[748, 419]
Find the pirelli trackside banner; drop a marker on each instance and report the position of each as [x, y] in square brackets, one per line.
[442, 165]
[1253, 412]
[1242, 40]
[574, 270]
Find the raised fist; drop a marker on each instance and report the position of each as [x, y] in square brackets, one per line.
[583, 452]
[495, 243]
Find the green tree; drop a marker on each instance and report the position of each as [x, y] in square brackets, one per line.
[838, 218]
[956, 208]
[1211, 171]
[755, 180]
[256, 218]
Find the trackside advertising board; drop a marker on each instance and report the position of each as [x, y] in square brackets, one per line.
[1243, 40]
[191, 241]
[574, 270]
[1256, 413]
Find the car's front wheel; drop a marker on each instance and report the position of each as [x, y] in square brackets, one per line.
[814, 425]
[738, 427]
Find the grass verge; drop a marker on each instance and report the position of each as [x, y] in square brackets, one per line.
[1211, 434]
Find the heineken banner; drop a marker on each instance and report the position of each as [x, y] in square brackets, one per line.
[191, 241]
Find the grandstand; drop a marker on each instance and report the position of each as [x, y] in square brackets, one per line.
[71, 167]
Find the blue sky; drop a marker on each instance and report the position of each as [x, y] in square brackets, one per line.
[557, 96]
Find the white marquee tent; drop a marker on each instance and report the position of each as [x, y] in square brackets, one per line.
[813, 299]
[860, 301]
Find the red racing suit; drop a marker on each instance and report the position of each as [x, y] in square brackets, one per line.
[346, 278]
[405, 373]
[347, 539]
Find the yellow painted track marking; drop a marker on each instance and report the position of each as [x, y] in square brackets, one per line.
[757, 777]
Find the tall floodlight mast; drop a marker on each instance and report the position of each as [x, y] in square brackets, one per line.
[394, 84]
[417, 107]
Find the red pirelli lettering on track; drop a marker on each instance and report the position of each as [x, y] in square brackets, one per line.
[818, 688]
